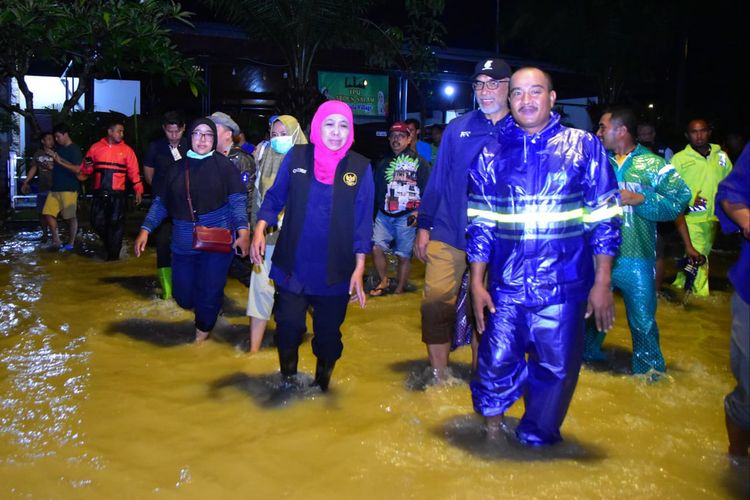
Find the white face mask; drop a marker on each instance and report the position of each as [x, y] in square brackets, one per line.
[282, 144]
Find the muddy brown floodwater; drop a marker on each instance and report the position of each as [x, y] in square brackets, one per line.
[103, 396]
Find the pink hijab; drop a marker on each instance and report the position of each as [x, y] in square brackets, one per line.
[325, 159]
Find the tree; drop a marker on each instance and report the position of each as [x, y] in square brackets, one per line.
[95, 39]
[298, 30]
[411, 47]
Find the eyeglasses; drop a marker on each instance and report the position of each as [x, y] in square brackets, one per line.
[201, 135]
[490, 84]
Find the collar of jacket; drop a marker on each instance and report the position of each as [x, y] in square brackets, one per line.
[549, 130]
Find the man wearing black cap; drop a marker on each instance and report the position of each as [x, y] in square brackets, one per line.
[441, 240]
[400, 179]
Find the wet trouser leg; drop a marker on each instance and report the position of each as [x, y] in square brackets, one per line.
[108, 221]
[290, 316]
[635, 279]
[329, 312]
[98, 215]
[162, 240]
[737, 402]
[702, 236]
[553, 337]
[443, 272]
[199, 281]
[328, 315]
[116, 228]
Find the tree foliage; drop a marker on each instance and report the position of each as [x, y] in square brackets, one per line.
[411, 46]
[298, 30]
[96, 38]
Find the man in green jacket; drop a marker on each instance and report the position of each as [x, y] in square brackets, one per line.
[650, 191]
[702, 166]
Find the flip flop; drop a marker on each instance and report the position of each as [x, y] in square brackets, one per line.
[379, 291]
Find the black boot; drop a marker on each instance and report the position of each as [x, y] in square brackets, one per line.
[288, 363]
[323, 370]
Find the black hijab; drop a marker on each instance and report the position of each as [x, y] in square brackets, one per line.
[212, 180]
[202, 121]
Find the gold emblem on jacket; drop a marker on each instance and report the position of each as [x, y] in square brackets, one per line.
[350, 179]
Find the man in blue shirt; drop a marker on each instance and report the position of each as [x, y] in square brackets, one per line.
[733, 203]
[441, 234]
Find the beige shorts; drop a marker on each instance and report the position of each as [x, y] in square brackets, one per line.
[260, 294]
[65, 202]
[443, 272]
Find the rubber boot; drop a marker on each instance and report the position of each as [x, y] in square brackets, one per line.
[165, 279]
[323, 371]
[288, 363]
[592, 345]
[739, 438]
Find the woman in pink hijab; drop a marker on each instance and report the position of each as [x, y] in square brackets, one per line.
[326, 192]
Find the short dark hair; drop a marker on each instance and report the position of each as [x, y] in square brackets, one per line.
[413, 121]
[61, 128]
[547, 76]
[172, 118]
[44, 134]
[698, 118]
[624, 116]
[114, 121]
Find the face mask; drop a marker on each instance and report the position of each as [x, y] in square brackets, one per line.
[282, 144]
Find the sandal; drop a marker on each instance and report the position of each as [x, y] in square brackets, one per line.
[379, 291]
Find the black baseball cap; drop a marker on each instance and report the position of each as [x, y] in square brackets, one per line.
[497, 69]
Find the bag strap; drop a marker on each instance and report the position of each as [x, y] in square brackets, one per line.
[187, 190]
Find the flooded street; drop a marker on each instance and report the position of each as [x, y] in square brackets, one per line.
[103, 396]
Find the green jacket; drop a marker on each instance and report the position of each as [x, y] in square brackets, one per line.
[666, 197]
[702, 175]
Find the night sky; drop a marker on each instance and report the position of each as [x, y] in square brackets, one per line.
[716, 70]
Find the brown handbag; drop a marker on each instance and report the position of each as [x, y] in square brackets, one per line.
[207, 239]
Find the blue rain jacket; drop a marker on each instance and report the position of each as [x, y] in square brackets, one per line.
[540, 206]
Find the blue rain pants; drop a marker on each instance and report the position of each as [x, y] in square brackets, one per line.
[552, 336]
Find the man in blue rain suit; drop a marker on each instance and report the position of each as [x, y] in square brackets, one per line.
[650, 191]
[543, 229]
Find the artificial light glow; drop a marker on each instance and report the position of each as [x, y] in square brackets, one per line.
[449, 90]
[651, 106]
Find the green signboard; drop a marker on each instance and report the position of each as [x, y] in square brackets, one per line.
[366, 94]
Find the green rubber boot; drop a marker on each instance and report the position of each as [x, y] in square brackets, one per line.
[165, 278]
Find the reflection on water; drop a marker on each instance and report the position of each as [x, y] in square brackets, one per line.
[102, 394]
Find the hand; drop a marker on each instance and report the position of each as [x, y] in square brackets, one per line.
[140, 242]
[631, 198]
[138, 198]
[693, 254]
[602, 304]
[243, 242]
[481, 300]
[420, 244]
[699, 200]
[25, 188]
[258, 246]
[357, 287]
